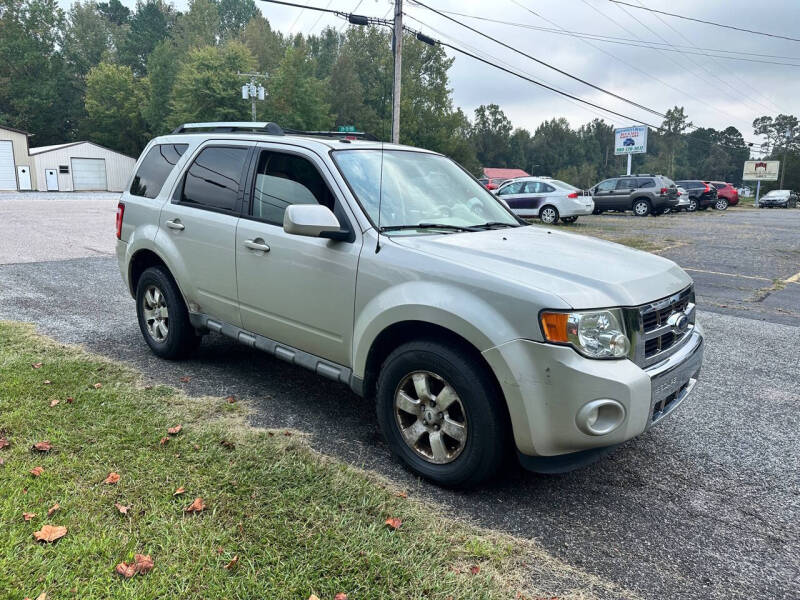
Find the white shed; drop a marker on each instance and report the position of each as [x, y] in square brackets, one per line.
[81, 166]
[16, 166]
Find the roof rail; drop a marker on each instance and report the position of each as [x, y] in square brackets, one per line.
[334, 134]
[231, 126]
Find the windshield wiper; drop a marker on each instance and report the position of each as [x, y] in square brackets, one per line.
[491, 224]
[429, 226]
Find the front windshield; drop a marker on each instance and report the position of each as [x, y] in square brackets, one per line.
[418, 188]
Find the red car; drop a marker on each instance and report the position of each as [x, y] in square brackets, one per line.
[727, 194]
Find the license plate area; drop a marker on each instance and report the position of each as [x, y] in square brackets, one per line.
[671, 386]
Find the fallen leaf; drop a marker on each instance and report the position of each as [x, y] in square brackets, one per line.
[196, 447]
[474, 569]
[148, 387]
[164, 441]
[44, 446]
[227, 444]
[47, 382]
[70, 400]
[402, 494]
[28, 516]
[36, 471]
[185, 379]
[97, 385]
[174, 430]
[233, 562]
[2, 462]
[142, 563]
[195, 507]
[287, 433]
[112, 478]
[53, 509]
[179, 491]
[340, 596]
[271, 433]
[37, 365]
[122, 509]
[394, 522]
[42, 596]
[50, 533]
[4, 442]
[54, 402]
[220, 550]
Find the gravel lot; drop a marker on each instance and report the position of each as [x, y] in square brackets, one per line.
[706, 505]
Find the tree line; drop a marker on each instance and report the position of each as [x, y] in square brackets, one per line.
[118, 77]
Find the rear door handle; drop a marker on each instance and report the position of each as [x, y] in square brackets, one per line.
[256, 244]
[176, 224]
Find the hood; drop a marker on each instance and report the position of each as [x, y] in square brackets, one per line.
[584, 272]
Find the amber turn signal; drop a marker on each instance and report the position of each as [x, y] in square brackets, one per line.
[554, 326]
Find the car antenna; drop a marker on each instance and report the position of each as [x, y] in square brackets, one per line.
[380, 198]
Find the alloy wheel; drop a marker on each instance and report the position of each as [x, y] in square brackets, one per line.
[721, 204]
[156, 313]
[548, 215]
[641, 208]
[431, 417]
[692, 205]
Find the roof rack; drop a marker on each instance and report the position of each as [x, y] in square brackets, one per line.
[231, 126]
[347, 135]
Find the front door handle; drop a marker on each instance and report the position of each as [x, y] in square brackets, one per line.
[256, 244]
[176, 224]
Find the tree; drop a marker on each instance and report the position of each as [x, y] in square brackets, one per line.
[296, 96]
[88, 37]
[555, 146]
[114, 11]
[674, 124]
[207, 87]
[325, 50]
[113, 101]
[234, 15]
[266, 45]
[149, 25]
[775, 131]
[491, 134]
[162, 68]
[199, 26]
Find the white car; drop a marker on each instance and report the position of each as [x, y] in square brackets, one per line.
[548, 199]
[683, 202]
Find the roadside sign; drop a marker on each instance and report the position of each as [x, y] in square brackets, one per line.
[630, 140]
[347, 128]
[761, 170]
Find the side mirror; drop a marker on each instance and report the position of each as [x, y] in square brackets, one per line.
[312, 220]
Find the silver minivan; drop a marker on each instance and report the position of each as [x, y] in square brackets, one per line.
[391, 270]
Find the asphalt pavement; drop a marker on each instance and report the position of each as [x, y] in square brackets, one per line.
[704, 505]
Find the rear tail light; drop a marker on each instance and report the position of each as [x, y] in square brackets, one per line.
[663, 191]
[708, 189]
[572, 195]
[120, 213]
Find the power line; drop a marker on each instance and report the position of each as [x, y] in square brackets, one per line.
[669, 14]
[541, 62]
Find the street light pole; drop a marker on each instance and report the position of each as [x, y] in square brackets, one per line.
[397, 43]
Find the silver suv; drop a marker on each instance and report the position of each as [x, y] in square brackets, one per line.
[643, 194]
[392, 270]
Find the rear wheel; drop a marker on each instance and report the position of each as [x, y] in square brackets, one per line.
[641, 207]
[721, 204]
[442, 414]
[549, 214]
[163, 318]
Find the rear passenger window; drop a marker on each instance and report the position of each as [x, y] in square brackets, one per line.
[626, 184]
[284, 179]
[646, 183]
[212, 182]
[154, 170]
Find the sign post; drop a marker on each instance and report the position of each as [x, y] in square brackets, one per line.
[760, 170]
[630, 140]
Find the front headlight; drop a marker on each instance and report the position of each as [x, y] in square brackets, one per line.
[594, 333]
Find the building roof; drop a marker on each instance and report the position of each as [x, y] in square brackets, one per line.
[494, 173]
[43, 149]
[14, 129]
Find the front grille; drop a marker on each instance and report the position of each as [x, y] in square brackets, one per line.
[657, 337]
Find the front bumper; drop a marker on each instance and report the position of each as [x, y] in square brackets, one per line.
[546, 386]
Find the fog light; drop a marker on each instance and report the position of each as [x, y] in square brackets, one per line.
[600, 417]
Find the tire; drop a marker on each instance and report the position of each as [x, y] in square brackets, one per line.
[692, 205]
[548, 214]
[598, 211]
[721, 204]
[569, 219]
[641, 207]
[478, 406]
[158, 294]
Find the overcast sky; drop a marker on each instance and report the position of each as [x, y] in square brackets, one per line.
[716, 92]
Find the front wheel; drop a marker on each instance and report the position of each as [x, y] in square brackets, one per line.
[569, 219]
[163, 318]
[549, 215]
[641, 208]
[692, 205]
[721, 204]
[442, 414]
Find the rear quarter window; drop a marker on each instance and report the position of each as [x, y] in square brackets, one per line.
[155, 168]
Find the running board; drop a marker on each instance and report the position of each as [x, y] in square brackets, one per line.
[320, 366]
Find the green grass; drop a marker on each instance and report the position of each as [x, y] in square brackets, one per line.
[300, 523]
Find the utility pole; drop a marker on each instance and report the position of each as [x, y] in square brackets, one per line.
[397, 43]
[252, 91]
[788, 136]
